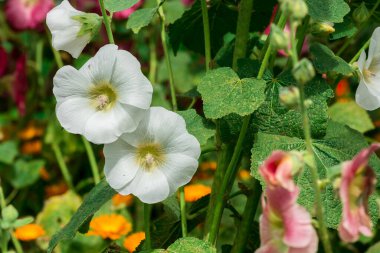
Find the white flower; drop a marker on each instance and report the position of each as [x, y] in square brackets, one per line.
[152, 162]
[105, 98]
[71, 29]
[368, 92]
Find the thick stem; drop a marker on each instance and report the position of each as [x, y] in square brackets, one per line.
[242, 31]
[147, 211]
[206, 32]
[183, 211]
[248, 217]
[92, 160]
[106, 21]
[323, 233]
[62, 165]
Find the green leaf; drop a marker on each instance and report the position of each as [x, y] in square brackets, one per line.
[325, 60]
[272, 117]
[374, 248]
[119, 5]
[340, 144]
[191, 244]
[141, 18]
[352, 115]
[8, 151]
[198, 126]
[22, 222]
[328, 10]
[345, 29]
[223, 92]
[95, 199]
[25, 173]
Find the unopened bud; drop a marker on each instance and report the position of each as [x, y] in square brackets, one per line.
[289, 96]
[9, 213]
[319, 28]
[91, 23]
[296, 9]
[278, 38]
[303, 71]
[360, 14]
[297, 161]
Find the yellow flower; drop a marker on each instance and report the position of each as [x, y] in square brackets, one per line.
[244, 175]
[111, 226]
[194, 192]
[132, 241]
[119, 199]
[29, 232]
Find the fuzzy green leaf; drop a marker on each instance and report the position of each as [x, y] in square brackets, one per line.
[191, 244]
[141, 18]
[345, 29]
[325, 60]
[95, 199]
[198, 126]
[374, 248]
[8, 151]
[340, 144]
[352, 115]
[328, 10]
[272, 117]
[223, 93]
[25, 173]
[119, 5]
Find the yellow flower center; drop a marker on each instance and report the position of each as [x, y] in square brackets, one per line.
[103, 96]
[150, 156]
[368, 74]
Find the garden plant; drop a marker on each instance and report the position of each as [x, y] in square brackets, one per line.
[189, 126]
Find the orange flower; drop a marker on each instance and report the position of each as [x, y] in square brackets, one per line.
[31, 147]
[132, 241]
[29, 232]
[119, 199]
[56, 189]
[44, 174]
[30, 131]
[244, 175]
[208, 166]
[111, 226]
[194, 192]
[343, 88]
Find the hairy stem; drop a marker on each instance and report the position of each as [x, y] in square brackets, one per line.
[107, 22]
[364, 47]
[92, 160]
[206, 32]
[183, 211]
[62, 165]
[323, 233]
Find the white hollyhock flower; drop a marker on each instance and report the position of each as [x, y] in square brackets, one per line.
[368, 92]
[71, 29]
[105, 98]
[152, 162]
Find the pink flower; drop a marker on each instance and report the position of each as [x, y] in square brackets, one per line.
[188, 2]
[126, 13]
[27, 14]
[277, 170]
[20, 84]
[357, 183]
[285, 226]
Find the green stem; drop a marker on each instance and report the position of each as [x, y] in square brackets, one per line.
[167, 57]
[323, 233]
[301, 33]
[248, 218]
[62, 165]
[16, 243]
[152, 58]
[374, 8]
[364, 47]
[11, 196]
[242, 31]
[183, 211]
[3, 203]
[107, 22]
[139, 211]
[92, 160]
[147, 211]
[206, 32]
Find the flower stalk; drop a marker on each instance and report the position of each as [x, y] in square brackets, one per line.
[147, 212]
[92, 160]
[107, 22]
[323, 233]
[206, 32]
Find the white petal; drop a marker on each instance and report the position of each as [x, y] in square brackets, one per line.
[73, 114]
[68, 81]
[178, 169]
[365, 98]
[362, 60]
[185, 144]
[120, 164]
[134, 88]
[68, 41]
[106, 126]
[374, 49]
[149, 187]
[101, 67]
